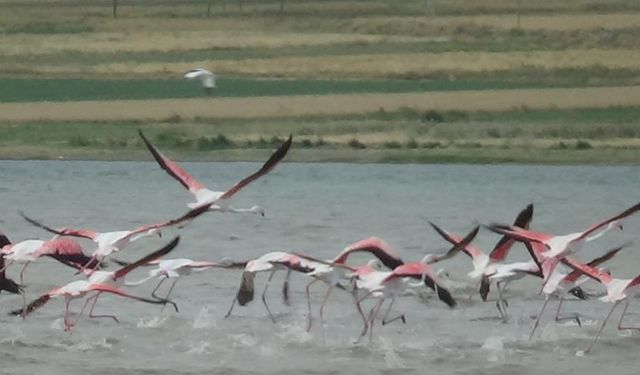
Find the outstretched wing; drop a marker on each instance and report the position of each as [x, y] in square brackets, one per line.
[574, 275]
[173, 169]
[620, 216]
[275, 158]
[166, 249]
[500, 251]
[84, 233]
[470, 250]
[374, 245]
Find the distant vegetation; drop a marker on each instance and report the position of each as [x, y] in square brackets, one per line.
[70, 50]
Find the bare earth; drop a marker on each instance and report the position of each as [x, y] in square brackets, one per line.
[295, 106]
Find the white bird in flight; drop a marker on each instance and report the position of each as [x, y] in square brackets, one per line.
[207, 78]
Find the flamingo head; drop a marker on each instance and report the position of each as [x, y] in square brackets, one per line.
[257, 210]
[429, 258]
[442, 273]
[616, 224]
[578, 293]
[376, 264]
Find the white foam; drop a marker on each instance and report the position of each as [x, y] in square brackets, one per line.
[495, 347]
[205, 319]
[154, 322]
[391, 357]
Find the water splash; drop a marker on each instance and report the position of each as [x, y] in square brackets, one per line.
[154, 322]
[391, 357]
[200, 348]
[494, 345]
[205, 319]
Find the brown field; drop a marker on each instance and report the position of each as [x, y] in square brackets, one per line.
[296, 106]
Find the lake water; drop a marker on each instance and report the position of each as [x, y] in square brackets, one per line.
[316, 209]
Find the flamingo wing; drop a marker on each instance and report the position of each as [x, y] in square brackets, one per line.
[470, 250]
[83, 233]
[374, 245]
[574, 275]
[587, 270]
[31, 307]
[275, 158]
[523, 220]
[418, 270]
[519, 234]
[628, 212]
[461, 245]
[173, 169]
[190, 215]
[166, 249]
[106, 288]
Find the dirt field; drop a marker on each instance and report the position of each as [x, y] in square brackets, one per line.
[296, 106]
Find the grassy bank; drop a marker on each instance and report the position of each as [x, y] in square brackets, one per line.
[551, 136]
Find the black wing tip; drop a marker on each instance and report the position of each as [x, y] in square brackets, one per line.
[10, 286]
[445, 296]
[485, 285]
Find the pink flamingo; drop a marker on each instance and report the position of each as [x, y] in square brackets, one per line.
[175, 268]
[271, 262]
[332, 272]
[100, 282]
[558, 280]
[388, 285]
[110, 242]
[216, 200]
[559, 246]
[618, 291]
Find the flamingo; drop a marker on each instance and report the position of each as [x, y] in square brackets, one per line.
[559, 246]
[175, 268]
[618, 291]
[216, 200]
[332, 272]
[99, 282]
[481, 261]
[387, 285]
[271, 262]
[109, 242]
[207, 78]
[566, 280]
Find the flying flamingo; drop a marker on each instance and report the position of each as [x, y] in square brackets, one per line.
[559, 246]
[109, 242]
[175, 268]
[216, 200]
[271, 262]
[100, 282]
[332, 272]
[207, 78]
[388, 285]
[560, 279]
[481, 261]
[618, 290]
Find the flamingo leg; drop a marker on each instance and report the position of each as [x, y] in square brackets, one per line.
[166, 298]
[535, 325]
[357, 301]
[233, 303]
[604, 322]
[93, 305]
[308, 295]
[153, 292]
[24, 296]
[324, 302]
[67, 324]
[386, 321]
[501, 304]
[264, 293]
[285, 288]
[372, 317]
[559, 318]
[624, 311]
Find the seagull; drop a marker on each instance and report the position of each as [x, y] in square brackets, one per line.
[207, 78]
[216, 200]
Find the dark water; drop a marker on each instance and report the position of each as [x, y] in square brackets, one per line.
[316, 209]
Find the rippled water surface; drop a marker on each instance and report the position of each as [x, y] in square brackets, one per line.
[316, 209]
